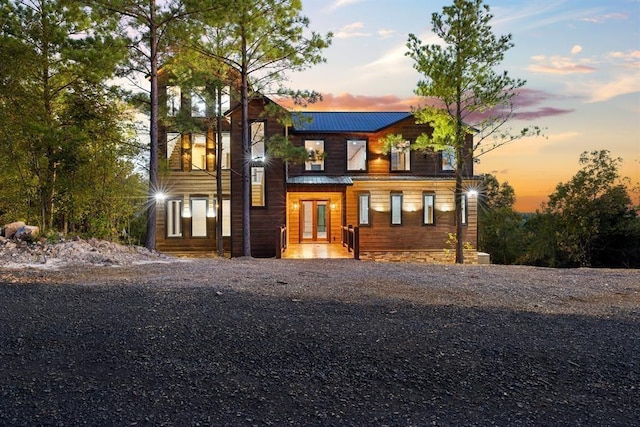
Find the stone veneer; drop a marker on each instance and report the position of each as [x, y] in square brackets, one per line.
[434, 256]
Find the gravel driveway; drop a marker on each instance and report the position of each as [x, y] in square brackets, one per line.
[324, 342]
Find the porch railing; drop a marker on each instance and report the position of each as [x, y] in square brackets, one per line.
[351, 239]
[281, 240]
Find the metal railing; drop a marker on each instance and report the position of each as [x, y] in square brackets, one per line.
[351, 239]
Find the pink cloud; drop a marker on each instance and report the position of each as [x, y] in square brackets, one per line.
[529, 104]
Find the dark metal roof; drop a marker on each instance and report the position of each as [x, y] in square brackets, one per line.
[356, 121]
[320, 180]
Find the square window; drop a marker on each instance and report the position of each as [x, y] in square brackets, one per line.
[356, 155]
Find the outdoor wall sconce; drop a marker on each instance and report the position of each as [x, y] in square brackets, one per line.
[295, 206]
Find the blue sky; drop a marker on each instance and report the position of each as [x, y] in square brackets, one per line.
[580, 58]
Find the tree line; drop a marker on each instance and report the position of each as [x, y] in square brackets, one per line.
[589, 221]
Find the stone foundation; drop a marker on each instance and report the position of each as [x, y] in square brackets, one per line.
[433, 256]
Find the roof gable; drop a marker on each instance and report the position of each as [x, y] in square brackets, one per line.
[356, 121]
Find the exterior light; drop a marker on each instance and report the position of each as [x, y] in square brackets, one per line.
[472, 193]
[160, 196]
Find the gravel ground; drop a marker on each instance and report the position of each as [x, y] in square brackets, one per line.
[133, 338]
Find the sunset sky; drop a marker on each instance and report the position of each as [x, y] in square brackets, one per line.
[580, 58]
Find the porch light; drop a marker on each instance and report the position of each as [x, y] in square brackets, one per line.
[160, 196]
[295, 206]
[472, 192]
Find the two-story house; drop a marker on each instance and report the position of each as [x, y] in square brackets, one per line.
[402, 202]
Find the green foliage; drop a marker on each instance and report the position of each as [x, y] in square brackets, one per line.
[463, 90]
[281, 147]
[500, 231]
[65, 138]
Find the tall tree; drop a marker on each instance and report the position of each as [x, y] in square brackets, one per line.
[264, 39]
[150, 26]
[466, 94]
[56, 54]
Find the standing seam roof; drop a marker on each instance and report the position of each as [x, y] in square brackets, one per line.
[322, 121]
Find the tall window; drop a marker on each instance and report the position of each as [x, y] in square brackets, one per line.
[396, 208]
[257, 186]
[429, 207]
[199, 217]
[464, 209]
[226, 150]
[315, 150]
[172, 141]
[448, 159]
[226, 217]
[174, 218]
[401, 157]
[363, 209]
[199, 102]
[257, 141]
[198, 151]
[173, 100]
[356, 155]
[226, 100]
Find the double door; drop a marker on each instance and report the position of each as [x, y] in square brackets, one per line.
[314, 221]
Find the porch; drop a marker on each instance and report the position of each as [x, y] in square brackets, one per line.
[316, 251]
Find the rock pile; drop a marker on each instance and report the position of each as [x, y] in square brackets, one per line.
[18, 252]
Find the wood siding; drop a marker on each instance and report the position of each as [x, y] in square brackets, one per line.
[412, 234]
[264, 219]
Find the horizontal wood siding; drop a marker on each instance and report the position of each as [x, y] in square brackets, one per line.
[412, 234]
[264, 220]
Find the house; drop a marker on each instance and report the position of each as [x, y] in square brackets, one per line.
[402, 202]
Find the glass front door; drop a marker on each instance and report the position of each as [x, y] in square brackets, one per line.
[314, 221]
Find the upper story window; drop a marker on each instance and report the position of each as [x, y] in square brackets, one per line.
[172, 141]
[257, 141]
[199, 102]
[448, 159]
[315, 150]
[225, 98]
[356, 155]
[401, 157]
[173, 100]
[198, 151]
[226, 150]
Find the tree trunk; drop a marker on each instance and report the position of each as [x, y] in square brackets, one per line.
[219, 154]
[150, 242]
[246, 156]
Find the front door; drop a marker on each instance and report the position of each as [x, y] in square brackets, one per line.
[314, 221]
